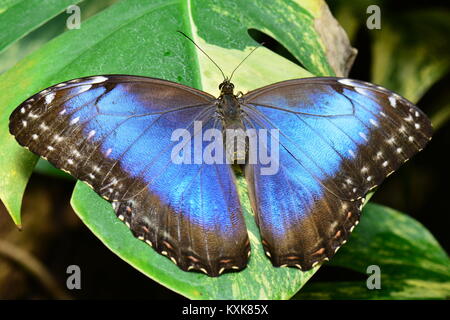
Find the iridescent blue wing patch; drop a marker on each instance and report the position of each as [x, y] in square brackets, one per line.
[338, 139]
[114, 133]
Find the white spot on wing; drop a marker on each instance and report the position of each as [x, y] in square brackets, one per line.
[348, 82]
[98, 79]
[76, 153]
[91, 134]
[83, 88]
[363, 91]
[393, 101]
[373, 122]
[362, 135]
[49, 98]
[73, 121]
[57, 138]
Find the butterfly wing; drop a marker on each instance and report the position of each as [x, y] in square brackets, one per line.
[115, 133]
[338, 139]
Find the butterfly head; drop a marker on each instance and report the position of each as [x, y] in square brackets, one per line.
[226, 87]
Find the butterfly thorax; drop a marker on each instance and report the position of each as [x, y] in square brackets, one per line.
[228, 106]
[235, 139]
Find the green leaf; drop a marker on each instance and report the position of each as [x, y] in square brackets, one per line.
[15, 173]
[353, 15]
[46, 168]
[139, 37]
[442, 114]
[413, 265]
[409, 57]
[19, 17]
[410, 53]
[26, 44]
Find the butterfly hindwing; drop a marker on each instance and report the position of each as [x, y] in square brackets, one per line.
[114, 132]
[338, 139]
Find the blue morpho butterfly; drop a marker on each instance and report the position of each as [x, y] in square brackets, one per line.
[338, 139]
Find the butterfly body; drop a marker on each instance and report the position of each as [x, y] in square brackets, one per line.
[336, 139]
[230, 112]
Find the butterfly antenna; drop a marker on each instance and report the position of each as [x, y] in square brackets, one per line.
[245, 59]
[203, 53]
